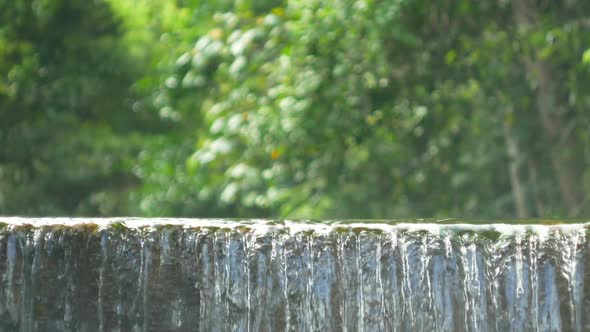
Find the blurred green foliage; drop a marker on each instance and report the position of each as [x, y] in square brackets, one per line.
[308, 108]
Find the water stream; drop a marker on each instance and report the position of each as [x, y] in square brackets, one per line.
[259, 275]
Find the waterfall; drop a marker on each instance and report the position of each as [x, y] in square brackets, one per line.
[130, 274]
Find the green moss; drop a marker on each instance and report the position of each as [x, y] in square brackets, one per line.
[341, 229]
[196, 229]
[466, 233]
[243, 229]
[163, 227]
[23, 228]
[308, 232]
[212, 229]
[490, 235]
[279, 232]
[86, 228]
[359, 230]
[118, 226]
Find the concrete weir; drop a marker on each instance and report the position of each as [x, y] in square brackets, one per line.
[133, 274]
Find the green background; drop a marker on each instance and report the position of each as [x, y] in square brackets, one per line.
[295, 109]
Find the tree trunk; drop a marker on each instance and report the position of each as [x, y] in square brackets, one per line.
[553, 121]
[518, 191]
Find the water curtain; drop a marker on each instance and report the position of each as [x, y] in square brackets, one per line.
[129, 274]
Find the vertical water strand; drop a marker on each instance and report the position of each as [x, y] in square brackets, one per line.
[478, 261]
[4, 275]
[465, 284]
[139, 300]
[380, 289]
[549, 311]
[449, 276]
[260, 283]
[300, 292]
[343, 312]
[217, 280]
[549, 315]
[266, 305]
[278, 314]
[348, 280]
[438, 293]
[13, 280]
[285, 293]
[239, 285]
[321, 272]
[521, 300]
[269, 306]
[23, 244]
[425, 285]
[27, 245]
[406, 288]
[476, 295]
[220, 257]
[199, 264]
[11, 257]
[327, 284]
[227, 275]
[248, 253]
[417, 279]
[339, 280]
[117, 302]
[206, 285]
[38, 271]
[474, 285]
[359, 275]
[391, 288]
[413, 278]
[420, 280]
[44, 283]
[506, 290]
[170, 281]
[233, 281]
[68, 288]
[572, 270]
[127, 268]
[585, 252]
[103, 256]
[514, 288]
[441, 301]
[534, 243]
[30, 248]
[308, 276]
[18, 277]
[579, 240]
[146, 258]
[190, 265]
[493, 268]
[371, 285]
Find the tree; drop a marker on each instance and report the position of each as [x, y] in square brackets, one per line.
[309, 108]
[372, 109]
[68, 132]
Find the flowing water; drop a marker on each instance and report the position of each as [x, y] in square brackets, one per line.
[220, 275]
